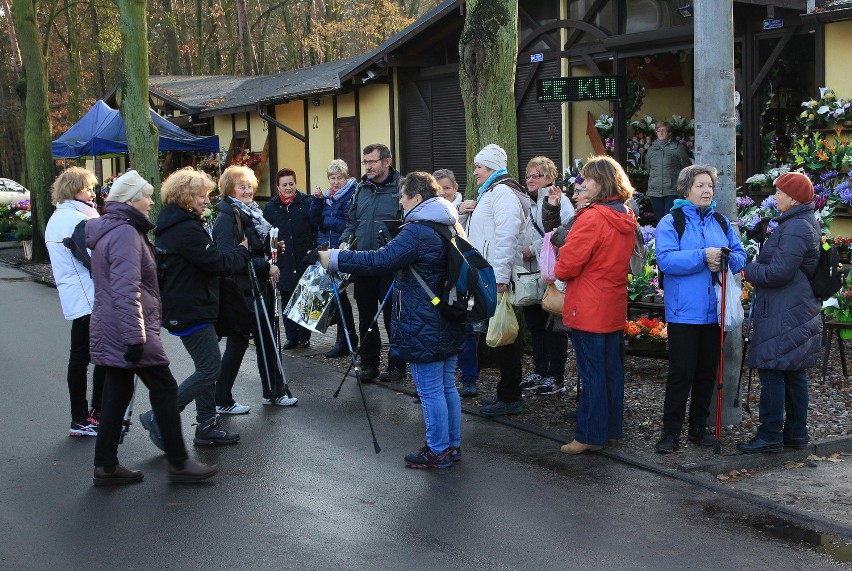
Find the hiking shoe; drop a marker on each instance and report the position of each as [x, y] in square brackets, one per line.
[468, 388]
[701, 435]
[149, 423]
[549, 386]
[368, 374]
[235, 408]
[211, 432]
[667, 444]
[425, 458]
[283, 400]
[455, 453]
[191, 471]
[118, 475]
[392, 375]
[756, 445]
[501, 408]
[83, 428]
[531, 382]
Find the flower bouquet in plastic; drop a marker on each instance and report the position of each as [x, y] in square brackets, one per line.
[312, 302]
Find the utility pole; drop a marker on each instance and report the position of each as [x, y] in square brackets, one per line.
[715, 142]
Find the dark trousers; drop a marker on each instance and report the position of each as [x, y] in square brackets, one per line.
[661, 205]
[550, 348]
[118, 390]
[292, 330]
[235, 349]
[78, 365]
[369, 293]
[693, 361]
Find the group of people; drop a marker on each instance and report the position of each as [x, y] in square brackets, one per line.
[387, 222]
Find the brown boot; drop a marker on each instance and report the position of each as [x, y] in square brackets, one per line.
[120, 475]
[191, 471]
[575, 447]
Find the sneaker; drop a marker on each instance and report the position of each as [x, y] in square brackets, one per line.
[455, 453]
[368, 374]
[83, 428]
[501, 408]
[392, 375]
[532, 382]
[549, 386]
[425, 458]
[94, 417]
[667, 444]
[149, 423]
[283, 400]
[235, 408]
[701, 435]
[211, 432]
[468, 388]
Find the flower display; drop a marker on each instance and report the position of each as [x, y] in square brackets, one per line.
[247, 158]
[16, 220]
[646, 329]
[825, 112]
[839, 306]
[843, 243]
[572, 176]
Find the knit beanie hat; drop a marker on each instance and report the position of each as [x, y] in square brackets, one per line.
[797, 186]
[492, 157]
[127, 186]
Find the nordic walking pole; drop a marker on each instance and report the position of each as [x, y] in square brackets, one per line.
[358, 353]
[717, 446]
[255, 294]
[273, 249]
[352, 357]
[128, 414]
[271, 334]
[746, 341]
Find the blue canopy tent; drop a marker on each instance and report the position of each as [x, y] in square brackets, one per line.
[101, 132]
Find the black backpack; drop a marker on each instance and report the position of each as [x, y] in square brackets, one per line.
[679, 219]
[77, 244]
[469, 292]
[827, 279]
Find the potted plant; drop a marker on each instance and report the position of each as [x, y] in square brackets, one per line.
[844, 248]
[839, 306]
[646, 334]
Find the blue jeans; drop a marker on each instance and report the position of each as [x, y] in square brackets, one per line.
[468, 360]
[203, 347]
[783, 392]
[436, 385]
[662, 205]
[600, 413]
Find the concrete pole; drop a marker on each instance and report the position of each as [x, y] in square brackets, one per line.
[715, 141]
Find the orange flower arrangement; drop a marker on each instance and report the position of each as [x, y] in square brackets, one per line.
[646, 329]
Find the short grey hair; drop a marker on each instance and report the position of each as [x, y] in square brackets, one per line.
[686, 178]
[338, 166]
[445, 173]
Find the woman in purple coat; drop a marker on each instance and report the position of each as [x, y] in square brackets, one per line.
[124, 332]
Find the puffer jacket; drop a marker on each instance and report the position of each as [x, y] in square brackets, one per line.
[593, 264]
[73, 281]
[418, 332]
[190, 265]
[228, 238]
[329, 215]
[539, 220]
[497, 227]
[127, 299]
[375, 207]
[665, 160]
[297, 233]
[787, 319]
[690, 293]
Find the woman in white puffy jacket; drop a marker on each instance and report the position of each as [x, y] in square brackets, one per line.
[73, 193]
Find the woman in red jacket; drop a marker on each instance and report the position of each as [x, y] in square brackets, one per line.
[593, 264]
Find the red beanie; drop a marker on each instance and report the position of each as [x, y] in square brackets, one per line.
[797, 186]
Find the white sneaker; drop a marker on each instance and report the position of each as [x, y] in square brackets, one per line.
[283, 400]
[235, 408]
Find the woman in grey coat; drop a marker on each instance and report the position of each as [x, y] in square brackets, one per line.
[665, 159]
[787, 322]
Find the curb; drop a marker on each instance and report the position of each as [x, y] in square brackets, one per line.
[21, 268]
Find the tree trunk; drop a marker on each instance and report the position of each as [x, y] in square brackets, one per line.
[488, 50]
[96, 33]
[246, 48]
[37, 135]
[170, 33]
[133, 91]
[74, 64]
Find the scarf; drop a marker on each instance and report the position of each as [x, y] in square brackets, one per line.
[255, 214]
[682, 202]
[286, 201]
[488, 182]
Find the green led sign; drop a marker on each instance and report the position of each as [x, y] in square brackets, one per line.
[581, 88]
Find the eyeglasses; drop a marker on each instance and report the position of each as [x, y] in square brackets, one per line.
[368, 162]
[534, 176]
[579, 189]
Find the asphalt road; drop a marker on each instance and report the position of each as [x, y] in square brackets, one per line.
[304, 489]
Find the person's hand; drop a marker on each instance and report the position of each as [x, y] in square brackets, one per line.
[311, 257]
[713, 258]
[502, 288]
[467, 206]
[133, 354]
[554, 195]
[244, 243]
[318, 192]
[527, 253]
[274, 272]
[324, 257]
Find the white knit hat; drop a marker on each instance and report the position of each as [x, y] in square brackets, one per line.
[127, 186]
[492, 157]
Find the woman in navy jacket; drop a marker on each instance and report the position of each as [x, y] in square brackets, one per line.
[419, 335]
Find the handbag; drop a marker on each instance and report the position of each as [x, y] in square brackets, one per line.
[526, 286]
[553, 298]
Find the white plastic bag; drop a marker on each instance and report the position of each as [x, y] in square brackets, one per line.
[503, 327]
[734, 313]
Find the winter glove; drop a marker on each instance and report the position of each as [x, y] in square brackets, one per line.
[311, 258]
[133, 353]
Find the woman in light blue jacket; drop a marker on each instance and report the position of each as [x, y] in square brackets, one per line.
[689, 246]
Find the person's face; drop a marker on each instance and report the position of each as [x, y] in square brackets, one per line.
[582, 194]
[783, 202]
[481, 174]
[409, 203]
[287, 186]
[86, 194]
[143, 205]
[448, 189]
[662, 133]
[335, 181]
[593, 188]
[243, 191]
[701, 191]
[536, 181]
[200, 200]
[375, 168]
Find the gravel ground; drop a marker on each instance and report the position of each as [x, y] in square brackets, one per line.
[830, 409]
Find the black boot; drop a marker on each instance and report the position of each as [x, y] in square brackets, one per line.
[340, 349]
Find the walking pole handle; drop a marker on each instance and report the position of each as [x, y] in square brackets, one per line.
[726, 252]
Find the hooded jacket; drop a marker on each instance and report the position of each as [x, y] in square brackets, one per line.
[127, 299]
[73, 281]
[593, 264]
[375, 207]
[787, 320]
[690, 293]
[330, 214]
[418, 332]
[190, 266]
[665, 160]
[296, 231]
